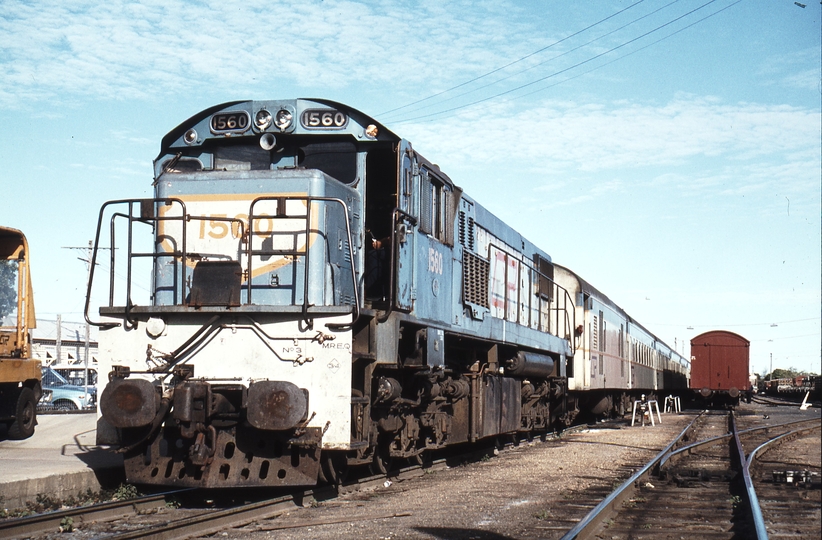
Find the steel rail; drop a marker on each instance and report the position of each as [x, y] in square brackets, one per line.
[208, 522]
[211, 522]
[750, 492]
[759, 519]
[720, 438]
[51, 522]
[590, 522]
[593, 520]
[205, 523]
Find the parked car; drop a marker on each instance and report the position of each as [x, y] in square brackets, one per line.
[76, 374]
[59, 394]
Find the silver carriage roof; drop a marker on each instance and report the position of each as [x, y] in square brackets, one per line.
[251, 118]
[590, 290]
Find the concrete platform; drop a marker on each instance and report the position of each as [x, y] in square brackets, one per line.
[59, 461]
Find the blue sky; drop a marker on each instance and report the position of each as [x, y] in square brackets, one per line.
[668, 152]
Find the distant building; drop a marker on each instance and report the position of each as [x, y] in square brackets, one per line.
[65, 345]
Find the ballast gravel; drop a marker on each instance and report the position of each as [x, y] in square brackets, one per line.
[534, 490]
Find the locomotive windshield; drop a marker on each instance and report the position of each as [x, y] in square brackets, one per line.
[336, 158]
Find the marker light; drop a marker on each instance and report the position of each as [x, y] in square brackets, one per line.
[190, 137]
[283, 119]
[262, 119]
[371, 131]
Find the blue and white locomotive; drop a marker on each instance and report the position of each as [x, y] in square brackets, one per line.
[320, 296]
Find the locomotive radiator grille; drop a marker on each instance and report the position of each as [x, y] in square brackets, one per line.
[466, 231]
[474, 279]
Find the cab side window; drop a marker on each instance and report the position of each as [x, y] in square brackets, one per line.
[436, 208]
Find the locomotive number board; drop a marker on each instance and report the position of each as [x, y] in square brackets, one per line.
[323, 119]
[230, 122]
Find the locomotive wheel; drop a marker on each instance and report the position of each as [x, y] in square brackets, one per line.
[382, 461]
[333, 468]
[423, 459]
[26, 416]
[499, 443]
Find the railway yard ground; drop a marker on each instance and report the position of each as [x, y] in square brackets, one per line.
[58, 462]
[532, 490]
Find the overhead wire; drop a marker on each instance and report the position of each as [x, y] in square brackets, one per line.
[521, 59]
[583, 62]
[529, 68]
[626, 55]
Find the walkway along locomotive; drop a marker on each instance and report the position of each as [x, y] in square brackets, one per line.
[320, 296]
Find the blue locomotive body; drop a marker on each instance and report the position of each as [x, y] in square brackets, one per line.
[321, 296]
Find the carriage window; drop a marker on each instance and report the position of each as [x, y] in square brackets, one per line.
[545, 277]
[621, 341]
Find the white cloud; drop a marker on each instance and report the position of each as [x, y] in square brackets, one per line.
[598, 136]
[792, 71]
[119, 49]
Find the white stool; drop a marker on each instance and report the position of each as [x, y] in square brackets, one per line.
[672, 405]
[651, 403]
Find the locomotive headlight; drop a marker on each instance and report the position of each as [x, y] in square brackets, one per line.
[190, 137]
[155, 327]
[283, 119]
[262, 119]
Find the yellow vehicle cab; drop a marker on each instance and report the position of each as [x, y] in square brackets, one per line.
[20, 375]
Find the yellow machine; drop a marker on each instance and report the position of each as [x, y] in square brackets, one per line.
[20, 374]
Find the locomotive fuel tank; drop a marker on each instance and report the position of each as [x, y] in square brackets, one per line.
[530, 364]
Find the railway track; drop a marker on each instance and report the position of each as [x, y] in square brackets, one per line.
[699, 490]
[156, 517]
[153, 520]
[65, 520]
[152, 517]
[786, 476]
